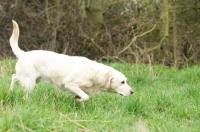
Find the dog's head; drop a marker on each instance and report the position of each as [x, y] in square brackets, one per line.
[115, 82]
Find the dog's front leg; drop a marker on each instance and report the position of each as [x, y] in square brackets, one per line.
[82, 96]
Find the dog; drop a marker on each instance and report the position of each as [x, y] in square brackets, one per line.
[75, 75]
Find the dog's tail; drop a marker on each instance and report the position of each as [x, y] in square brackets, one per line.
[14, 40]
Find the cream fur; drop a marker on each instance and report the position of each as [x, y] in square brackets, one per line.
[72, 74]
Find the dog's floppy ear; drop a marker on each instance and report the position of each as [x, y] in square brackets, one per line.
[107, 79]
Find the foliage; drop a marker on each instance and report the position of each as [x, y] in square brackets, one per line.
[102, 29]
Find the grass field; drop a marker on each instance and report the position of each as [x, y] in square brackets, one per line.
[165, 100]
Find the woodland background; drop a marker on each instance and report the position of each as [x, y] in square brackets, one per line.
[164, 32]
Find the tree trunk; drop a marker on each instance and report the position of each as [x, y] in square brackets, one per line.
[174, 33]
[165, 31]
[94, 13]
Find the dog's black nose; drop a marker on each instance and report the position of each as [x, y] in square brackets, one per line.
[131, 92]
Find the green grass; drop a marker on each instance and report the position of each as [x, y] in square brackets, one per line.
[165, 100]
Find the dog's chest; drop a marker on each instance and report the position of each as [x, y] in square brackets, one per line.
[93, 90]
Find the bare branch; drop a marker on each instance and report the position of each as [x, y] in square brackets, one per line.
[134, 39]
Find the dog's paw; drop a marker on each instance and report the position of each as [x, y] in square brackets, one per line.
[79, 99]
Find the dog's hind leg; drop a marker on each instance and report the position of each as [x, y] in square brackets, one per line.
[26, 75]
[28, 86]
[14, 79]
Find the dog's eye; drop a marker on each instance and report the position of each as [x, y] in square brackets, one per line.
[123, 82]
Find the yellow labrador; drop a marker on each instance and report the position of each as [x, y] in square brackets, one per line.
[72, 74]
